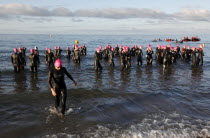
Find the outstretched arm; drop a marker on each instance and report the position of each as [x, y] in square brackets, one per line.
[70, 77]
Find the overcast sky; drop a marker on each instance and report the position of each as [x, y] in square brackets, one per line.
[104, 16]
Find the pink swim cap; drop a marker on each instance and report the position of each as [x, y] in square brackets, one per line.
[32, 50]
[58, 63]
[15, 50]
[140, 46]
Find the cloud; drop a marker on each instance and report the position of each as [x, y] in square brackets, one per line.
[76, 20]
[21, 9]
[16, 10]
[124, 13]
[193, 15]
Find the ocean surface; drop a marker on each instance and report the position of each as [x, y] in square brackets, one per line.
[142, 102]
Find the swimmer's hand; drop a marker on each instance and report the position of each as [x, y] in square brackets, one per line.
[53, 92]
[75, 83]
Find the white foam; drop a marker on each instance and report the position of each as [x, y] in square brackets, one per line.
[162, 127]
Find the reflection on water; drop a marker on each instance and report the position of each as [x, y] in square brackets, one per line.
[111, 76]
[98, 79]
[125, 78]
[20, 82]
[148, 71]
[34, 81]
[197, 72]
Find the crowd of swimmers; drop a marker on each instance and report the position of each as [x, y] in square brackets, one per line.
[164, 54]
[18, 58]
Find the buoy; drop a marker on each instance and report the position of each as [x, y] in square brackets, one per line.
[76, 42]
[203, 45]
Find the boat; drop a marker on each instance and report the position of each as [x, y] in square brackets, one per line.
[195, 39]
[169, 40]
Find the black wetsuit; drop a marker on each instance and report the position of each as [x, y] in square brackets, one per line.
[133, 51]
[97, 63]
[111, 58]
[49, 59]
[76, 56]
[34, 60]
[188, 54]
[106, 53]
[139, 55]
[200, 56]
[174, 56]
[22, 60]
[193, 55]
[68, 53]
[36, 52]
[149, 57]
[183, 55]
[125, 60]
[167, 56]
[16, 61]
[84, 50]
[158, 56]
[178, 52]
[56, 81]
[116, 50]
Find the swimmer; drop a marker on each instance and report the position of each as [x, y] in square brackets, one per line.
[200, 55]
[34, 60]
[57, 85]
[49, 58]
[16, 61]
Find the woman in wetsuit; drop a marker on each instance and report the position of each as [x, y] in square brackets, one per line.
[57, 85]
[200, 55]
[111, 57]
[16, 60]
[97, 58]
[49, 58]
[193, 55]
[149, 55]
[139, 55]
[34, 60]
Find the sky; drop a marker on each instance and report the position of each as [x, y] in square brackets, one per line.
[104, 16]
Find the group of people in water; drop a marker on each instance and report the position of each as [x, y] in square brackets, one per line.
[18, 58]
[163, 54]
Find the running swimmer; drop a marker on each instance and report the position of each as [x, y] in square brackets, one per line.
[57, 85]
